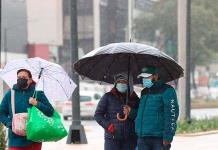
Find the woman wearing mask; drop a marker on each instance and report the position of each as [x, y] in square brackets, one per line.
[119, 135]
[23, 99]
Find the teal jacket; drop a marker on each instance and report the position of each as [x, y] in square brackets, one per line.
[21, 105]
[157, 113]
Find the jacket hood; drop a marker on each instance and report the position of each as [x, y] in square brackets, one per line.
[158, 84]
[116, 93]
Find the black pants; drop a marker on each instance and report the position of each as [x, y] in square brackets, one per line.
[125, 144]
[152, 143]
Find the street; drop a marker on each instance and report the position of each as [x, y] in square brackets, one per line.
[204, 113]
[94, 134]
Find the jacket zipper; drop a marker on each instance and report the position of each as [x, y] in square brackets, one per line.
[143, 114]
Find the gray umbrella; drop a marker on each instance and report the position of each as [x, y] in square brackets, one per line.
[104, 62]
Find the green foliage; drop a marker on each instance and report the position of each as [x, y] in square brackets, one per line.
[2, 137]
[197, 125]
[159, 27]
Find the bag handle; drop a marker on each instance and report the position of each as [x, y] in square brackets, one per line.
[35, 94]
[12, 101]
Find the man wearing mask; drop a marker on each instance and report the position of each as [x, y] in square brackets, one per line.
[155, 119]
[119, 135]
[23, 99]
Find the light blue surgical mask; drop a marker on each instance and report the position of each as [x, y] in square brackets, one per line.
[121, 87]
[147, 83]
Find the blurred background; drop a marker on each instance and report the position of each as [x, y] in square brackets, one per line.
[41, 28]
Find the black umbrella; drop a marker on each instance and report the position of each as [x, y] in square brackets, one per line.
[104, 62]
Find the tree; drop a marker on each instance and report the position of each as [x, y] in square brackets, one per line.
[159, 27]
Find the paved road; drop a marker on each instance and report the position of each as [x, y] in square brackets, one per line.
[94, 135]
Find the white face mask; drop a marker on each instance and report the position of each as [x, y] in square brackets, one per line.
[121, 87]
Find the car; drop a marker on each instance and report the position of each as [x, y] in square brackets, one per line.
[88, 103]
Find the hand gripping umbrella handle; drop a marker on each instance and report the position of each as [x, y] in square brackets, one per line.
[121, 119]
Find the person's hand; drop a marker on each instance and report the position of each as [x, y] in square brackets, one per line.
[126, 109]
[165, 143]
[32, 101]
[111, 128]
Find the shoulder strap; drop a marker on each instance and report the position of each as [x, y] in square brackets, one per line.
[12, 101]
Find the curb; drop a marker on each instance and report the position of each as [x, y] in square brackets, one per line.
[197, 133]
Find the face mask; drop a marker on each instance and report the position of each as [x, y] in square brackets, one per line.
[147, 83]
[121, 87]
[22, 83]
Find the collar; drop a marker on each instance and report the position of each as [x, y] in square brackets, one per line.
[158, 84]
[116, 93]
[30, 88]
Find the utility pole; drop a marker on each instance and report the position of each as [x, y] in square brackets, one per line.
[184, 45]
[76, 133]
[0, 33]
[97, 29]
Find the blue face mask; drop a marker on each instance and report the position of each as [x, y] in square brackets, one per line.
[121, 87]
[147, 83]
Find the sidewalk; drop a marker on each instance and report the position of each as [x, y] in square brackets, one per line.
[94, 136]
[96, 142]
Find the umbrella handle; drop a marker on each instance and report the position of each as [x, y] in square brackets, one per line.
[121, 119]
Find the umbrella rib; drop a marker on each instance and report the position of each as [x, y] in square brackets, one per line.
[136, 63]
[47, 70]
[17, 68]
[166, 68]
[50, 65]
[91, 68]
[51, 77]
[12, 69]
[31, 66]
[114, 58]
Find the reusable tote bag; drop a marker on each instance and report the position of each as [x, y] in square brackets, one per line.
[41, 128]
[19, 119]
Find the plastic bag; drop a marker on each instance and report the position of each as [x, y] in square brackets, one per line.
[41, 128]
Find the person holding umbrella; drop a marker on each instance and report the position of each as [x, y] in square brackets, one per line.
[23, 99]
[158, 109]
[155, 119]
[119, 135]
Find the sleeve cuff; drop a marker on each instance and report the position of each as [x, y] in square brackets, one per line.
[38, 104]
[106, 124]
[168, 138]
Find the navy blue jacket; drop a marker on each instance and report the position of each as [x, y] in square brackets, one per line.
[108, 107]
[21, 104]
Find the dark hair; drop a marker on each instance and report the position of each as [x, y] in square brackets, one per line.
[25, 70]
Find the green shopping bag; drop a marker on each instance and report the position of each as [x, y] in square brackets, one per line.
[41, 128]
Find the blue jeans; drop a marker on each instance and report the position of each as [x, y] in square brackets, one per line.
[125, 144]
[152, 143]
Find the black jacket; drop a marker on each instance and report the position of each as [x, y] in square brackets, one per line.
[108, 107]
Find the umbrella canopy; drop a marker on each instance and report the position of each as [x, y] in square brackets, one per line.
[50, 77]
[104, 62]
